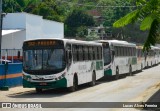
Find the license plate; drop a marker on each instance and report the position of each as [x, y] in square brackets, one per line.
[43, 83]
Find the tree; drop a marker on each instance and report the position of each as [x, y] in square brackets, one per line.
[92, 36]
[111, 14]
[76, 21]
[10, 6]
[111, 11]
[49, 10]
[148, 14]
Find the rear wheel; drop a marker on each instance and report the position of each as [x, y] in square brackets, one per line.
[130, 71]
[117, 73]
[93, 82]
[75, 84]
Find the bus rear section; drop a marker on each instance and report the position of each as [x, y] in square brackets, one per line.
[150, 58]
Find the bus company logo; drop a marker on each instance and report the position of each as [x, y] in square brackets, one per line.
[6, 105]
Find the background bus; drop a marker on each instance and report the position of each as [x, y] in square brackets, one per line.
[150, 57]
[55, 63]
[119, 57]
[140, 58]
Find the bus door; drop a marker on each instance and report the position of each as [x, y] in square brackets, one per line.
[106, 57]
[68, 56]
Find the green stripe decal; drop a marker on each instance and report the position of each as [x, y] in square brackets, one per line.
[108, 72]
[134, 61]
[99, 65]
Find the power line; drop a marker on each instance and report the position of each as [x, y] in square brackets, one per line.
[99, 6]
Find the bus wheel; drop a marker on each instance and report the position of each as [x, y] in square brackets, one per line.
[130, 71]
[38, 90]
[75, 84]
[141, 67]
[93, 82]
[117, 73]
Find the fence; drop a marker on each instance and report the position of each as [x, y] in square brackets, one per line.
[14, 55]
[12, 76]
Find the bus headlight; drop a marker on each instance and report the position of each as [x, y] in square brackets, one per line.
[27, 78]
[63, 75]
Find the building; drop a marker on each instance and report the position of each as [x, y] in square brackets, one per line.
[18, 27]
[99, 29]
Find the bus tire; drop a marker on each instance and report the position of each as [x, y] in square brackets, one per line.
[141, 67]
[130, 71]
[117, 73]
[38, 90]
[93, 82]
[75, 84]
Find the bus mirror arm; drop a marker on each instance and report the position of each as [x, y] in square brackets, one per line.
[67, 56]
[70, 55]
[113, 53]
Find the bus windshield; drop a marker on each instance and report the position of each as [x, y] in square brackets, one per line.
[106, 54]
[52, 60]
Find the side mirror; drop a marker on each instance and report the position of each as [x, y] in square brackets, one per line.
[113, 53]
[18, 54]
[70, 55]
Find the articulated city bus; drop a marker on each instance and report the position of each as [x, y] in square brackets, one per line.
[119, 57]
[55, 63]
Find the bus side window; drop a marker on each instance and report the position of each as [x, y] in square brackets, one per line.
[90, 53]
[74, 52]
[77, 50]
[93, 53]
[80, 53]
[68, 54]
[113, 55]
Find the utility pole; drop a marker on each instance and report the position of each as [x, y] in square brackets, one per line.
[1, 17]
[4, 87]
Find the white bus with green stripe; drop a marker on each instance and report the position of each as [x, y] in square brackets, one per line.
[57, 63]
[119, 57]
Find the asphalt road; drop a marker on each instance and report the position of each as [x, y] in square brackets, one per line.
[137, 88]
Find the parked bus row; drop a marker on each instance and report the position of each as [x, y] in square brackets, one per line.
[127, 58]
[56, 63]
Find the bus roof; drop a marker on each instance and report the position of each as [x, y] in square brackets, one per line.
[118, 42]
[72, 41]
[154, 47]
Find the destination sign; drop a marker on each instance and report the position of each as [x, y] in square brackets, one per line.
[43, 44]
